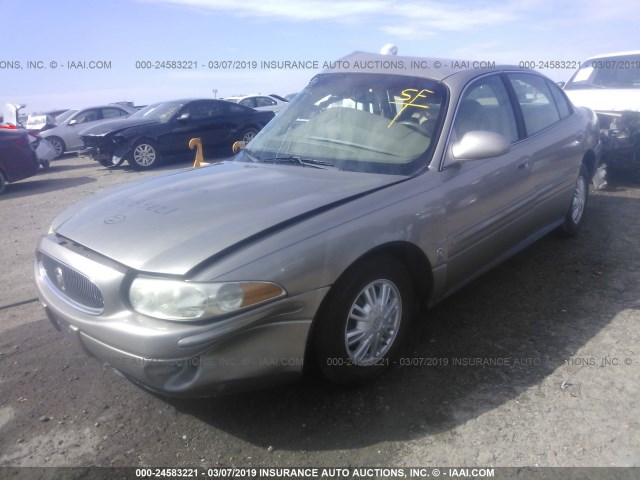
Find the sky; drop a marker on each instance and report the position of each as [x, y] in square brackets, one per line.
[76, 53]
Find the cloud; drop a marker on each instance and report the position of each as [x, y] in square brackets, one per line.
[429, 14]
[423, 18]
[300, 10]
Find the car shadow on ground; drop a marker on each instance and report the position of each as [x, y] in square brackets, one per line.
[213, 156]
[534, 312]
[42, 184]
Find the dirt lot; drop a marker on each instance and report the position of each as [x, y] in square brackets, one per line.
[535, 363]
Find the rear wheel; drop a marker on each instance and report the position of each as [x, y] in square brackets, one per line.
[363, 321]
[144, 155]
[575, 215]
[58, 145]
[248, 135]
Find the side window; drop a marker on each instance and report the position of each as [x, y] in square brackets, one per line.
[264, 102]
[485, 105]
[203, 110]
[88, 116]
[248, 102]
[536, 102]
[113, 112]
[233, 108]
[564, 107]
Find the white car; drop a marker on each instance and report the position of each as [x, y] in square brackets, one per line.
[43, 121]
[65, 136]
[609, 84]
[268, 103]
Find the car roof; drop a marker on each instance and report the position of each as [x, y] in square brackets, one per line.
[240, 97]
[101, 106]
[364, 62]
[614, 54]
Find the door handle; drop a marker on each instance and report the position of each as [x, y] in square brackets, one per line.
[524, 163]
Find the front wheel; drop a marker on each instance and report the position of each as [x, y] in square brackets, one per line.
[144, 155]
[363, 321]
[575, 215]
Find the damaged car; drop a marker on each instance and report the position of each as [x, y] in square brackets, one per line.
[610, 85]
[163, 131]
[375, 193]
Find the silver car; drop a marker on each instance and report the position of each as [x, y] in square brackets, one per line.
[384, 186]
[65, 136]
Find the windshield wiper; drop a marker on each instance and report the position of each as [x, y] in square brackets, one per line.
[251, 155]
[303, 162]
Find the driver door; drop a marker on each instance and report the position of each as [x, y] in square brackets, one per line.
[484, 197]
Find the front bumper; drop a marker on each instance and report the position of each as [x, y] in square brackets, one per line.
[257, 348]
[105, 150]
[620, 136]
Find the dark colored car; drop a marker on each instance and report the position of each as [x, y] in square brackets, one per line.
[17, 158]
[163, 130]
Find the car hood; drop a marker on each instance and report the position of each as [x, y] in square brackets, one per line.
[113, 126]
[606, 99]
[172, 223]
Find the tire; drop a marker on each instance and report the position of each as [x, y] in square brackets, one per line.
[3, 183]
[575, 215]
[144, 155]
[248, 134]
[351, 351]
[58, 145]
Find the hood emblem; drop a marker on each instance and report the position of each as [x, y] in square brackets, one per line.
[114, 219]
[59, 278]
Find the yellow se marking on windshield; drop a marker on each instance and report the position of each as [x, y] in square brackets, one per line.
[408, 98]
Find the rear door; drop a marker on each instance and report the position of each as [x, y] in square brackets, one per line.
[554, 138]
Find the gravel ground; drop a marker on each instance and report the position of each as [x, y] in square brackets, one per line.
[534, 363]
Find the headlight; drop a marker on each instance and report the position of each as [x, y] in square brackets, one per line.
[178, 300]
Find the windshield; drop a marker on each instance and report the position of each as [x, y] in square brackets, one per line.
[159, 111]
[607, 72]
[357, 121]
[63, 116]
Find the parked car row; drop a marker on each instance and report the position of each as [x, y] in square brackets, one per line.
[372, 194]
[64, 136]
[262, 103]
[163, 130]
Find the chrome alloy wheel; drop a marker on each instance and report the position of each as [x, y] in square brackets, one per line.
[248, 136]
[373, 322]
[579, 199]
[144, 155]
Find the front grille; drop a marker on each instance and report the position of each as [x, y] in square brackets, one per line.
[72, 285]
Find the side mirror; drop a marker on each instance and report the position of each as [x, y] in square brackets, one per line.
[479, 144]
[184, 117]
[561, 84]
[73, 122]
